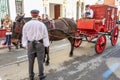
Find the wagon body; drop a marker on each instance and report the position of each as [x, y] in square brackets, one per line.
[104, 19]
[103, 23]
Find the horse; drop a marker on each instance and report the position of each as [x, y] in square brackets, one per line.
[60, 29]
[17, 31]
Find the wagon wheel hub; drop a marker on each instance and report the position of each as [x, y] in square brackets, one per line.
[102, 44]
[116, 35]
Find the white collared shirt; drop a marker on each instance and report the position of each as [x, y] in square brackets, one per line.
[91, 13]
[35, 30]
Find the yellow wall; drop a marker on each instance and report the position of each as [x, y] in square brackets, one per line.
[109, 2]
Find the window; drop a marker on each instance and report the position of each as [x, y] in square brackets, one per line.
[19, 6]
[4, 8]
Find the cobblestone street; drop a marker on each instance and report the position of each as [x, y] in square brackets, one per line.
[63, 67]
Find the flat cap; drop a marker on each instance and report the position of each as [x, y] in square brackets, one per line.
[34, 11]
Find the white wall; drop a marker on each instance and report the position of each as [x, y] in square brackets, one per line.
[56, 1]
[51, 5]
[38, 4]
[12, 9]
[29, 5]
[90, 2]
[51, 10]
[71, 8]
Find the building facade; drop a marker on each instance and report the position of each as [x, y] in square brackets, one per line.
[54, 8]
[10, 7]
[4, 8]
[109, 2]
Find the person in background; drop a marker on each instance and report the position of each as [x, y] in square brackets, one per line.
[39, 18]
[35, 39]
[43, 16]
[7, 24]
[52, 22]
[46, 17]
[88, 12]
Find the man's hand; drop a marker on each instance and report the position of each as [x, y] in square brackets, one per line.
[24, 46]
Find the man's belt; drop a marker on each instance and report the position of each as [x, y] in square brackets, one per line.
[36, 41]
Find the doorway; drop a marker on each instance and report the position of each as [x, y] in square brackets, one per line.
[55, 11]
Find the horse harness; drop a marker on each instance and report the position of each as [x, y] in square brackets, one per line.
[59, 37]
[18, 29]
[52, 24]
[67, 24]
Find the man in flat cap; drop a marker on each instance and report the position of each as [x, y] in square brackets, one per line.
[35, 39]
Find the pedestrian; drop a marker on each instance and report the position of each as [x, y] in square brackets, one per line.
[35, 39]
[7, 24]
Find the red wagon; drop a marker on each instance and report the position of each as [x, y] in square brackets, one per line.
[95, 30]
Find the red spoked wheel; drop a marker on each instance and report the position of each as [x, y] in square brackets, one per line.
[114, 36]
[100, 44]
[77, 42]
